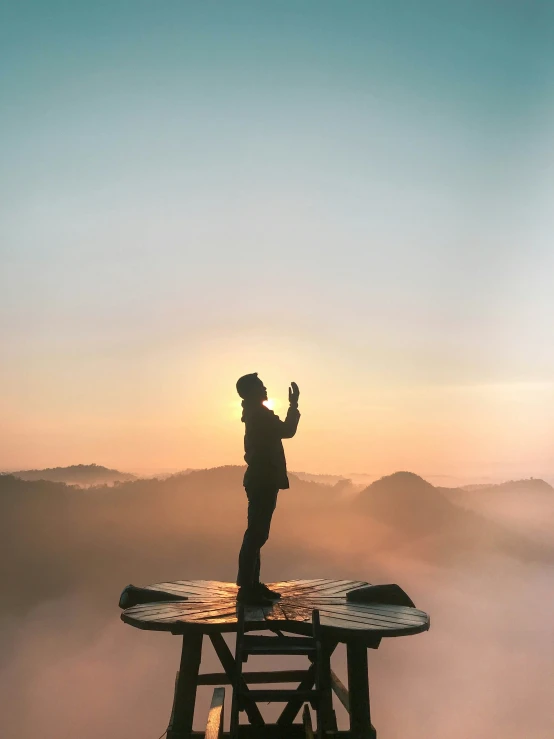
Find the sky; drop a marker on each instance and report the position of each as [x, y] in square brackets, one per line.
[354, 196]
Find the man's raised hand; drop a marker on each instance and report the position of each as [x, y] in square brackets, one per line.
[294, 393]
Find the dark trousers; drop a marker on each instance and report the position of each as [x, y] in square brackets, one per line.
[261, 504]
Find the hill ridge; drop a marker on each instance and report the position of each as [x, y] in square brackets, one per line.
[77, 473]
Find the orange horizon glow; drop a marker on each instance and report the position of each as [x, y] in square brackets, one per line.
[167, 412]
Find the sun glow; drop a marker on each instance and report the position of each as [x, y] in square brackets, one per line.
[270, 403]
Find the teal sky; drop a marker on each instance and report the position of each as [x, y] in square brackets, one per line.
[355, 195]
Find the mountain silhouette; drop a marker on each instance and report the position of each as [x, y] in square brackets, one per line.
[523, 506]
[407, 500]
[77, 474]
[532, 484]
[435, 524]
[57, 537]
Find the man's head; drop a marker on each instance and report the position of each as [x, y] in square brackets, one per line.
[250, 387]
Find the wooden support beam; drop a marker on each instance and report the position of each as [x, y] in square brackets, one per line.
[182, 715]
[358, 691]
[214, 727]
[340, 690]
[254, 678]
[327, 714]
[228, 663]
[272, 731]
[174, 698]
[290, 711]
[307, 722]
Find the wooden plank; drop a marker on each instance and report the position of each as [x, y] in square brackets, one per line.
[174, 698]
[340, 690]
[397, 612]
[314, 599]
[163, 611]
[368, 625]
[185, 605]
[186, 618]
[404, 611]
[369, 613]
[358, 691]
[280, 695]
[295, 583]
[273, 731]
[341, 613]
[182, 590]
[262, 640]
[273, 613]
[320, 599]
[209, 586]
[302, 586]
[167, 587]
[276, 649]
[185, 692]
[307, 722]
[254, 678]
[320, 589]
[333, 587]
[229, 614]
[297, 613]
[156, 607]
[214, 726]
[386, 610]
[214, 611]
[217, 623]
[355, 627]
[191, 591]
[373, 628]
[345, 625]
[217, 585]
[365, 618]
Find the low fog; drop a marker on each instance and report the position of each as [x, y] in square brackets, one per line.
[478, 560]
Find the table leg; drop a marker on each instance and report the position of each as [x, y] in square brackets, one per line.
[180, 725]
[328, 717]
[358, 689]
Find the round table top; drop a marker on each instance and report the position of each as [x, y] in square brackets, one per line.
[210, 606]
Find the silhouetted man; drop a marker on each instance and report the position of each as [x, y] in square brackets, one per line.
[265, 475]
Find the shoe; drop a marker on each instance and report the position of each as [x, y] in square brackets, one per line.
[266, 592]
[253, 597]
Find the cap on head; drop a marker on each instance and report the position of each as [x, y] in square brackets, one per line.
[247, 383]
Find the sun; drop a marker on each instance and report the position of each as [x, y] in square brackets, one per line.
[270, 403]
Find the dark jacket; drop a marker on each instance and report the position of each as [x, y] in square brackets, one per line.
[264, 453]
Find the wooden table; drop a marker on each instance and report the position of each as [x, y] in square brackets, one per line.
[209, 607]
